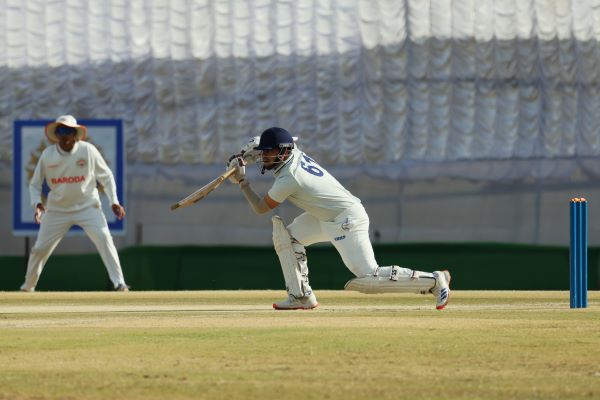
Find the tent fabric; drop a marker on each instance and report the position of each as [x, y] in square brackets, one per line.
[478, 89]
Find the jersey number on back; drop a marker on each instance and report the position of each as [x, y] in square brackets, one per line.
[310, 166]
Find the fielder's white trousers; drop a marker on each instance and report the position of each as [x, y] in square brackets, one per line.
[54, 227]
[349, 233]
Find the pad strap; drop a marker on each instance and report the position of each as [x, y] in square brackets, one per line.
[393, 279]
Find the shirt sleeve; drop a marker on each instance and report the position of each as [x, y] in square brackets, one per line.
[283, 188]
[104, 175]
[35, 185]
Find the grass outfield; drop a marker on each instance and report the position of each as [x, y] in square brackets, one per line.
[232, 345]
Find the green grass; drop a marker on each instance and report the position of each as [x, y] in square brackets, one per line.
[232, 345]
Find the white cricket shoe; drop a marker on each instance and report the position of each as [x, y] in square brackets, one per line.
[297, 303]
[441, 290]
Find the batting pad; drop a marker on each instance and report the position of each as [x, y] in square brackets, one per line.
[393, 279]
[292, 257]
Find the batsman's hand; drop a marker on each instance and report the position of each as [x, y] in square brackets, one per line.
[250, 145]
[39, 211]
[119, 211]
[237, 161]
[247, 151]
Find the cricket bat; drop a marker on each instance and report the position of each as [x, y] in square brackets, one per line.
[203, 191]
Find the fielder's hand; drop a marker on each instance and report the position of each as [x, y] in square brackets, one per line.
[39, 211]
[237, 162]
[119, 211]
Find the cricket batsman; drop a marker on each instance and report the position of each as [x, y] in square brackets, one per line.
[331, 214]
[71, 168]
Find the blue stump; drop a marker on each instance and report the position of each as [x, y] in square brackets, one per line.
[578, 253]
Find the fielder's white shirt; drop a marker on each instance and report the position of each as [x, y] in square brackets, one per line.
[310, 187]
[72, 178]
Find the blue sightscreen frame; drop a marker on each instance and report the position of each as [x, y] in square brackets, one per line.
[26, 228]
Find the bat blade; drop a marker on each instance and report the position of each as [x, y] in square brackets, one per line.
[203, 191]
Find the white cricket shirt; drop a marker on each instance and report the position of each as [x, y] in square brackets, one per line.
[310, 187]
[72, 178]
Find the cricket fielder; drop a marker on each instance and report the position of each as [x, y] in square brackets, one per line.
[332, 214]
[71, 168]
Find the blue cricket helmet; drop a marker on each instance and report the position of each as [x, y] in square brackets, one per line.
[275, 138]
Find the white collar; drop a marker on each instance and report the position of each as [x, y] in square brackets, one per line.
[67, 153]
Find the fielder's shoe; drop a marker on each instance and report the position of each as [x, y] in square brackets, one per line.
[25, 289]
[441, 290]
[294, 303]
[122, 288]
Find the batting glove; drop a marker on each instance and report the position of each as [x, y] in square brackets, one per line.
[236, 161]
[247, 151]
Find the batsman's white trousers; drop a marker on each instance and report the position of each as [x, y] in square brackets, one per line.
[54, 227]
[349, 233]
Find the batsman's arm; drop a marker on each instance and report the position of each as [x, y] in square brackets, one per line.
[260, 206]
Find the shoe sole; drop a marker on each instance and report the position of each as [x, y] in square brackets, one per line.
[449, 278]
[294, 308]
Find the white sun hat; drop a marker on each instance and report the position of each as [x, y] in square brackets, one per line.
[66, 120]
